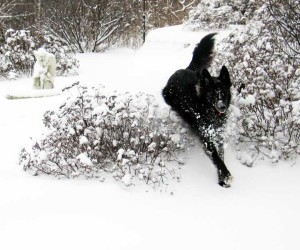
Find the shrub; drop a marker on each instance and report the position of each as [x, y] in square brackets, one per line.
[93, 133]
[16, 54]
[219, 14]
[268, 107]
[17, 59]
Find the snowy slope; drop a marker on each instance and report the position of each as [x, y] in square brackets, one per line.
[259, 211]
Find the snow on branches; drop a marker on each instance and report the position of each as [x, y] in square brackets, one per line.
[17, 57]
[268, 105]
[265, 116]
[219, 14]
[96, 133]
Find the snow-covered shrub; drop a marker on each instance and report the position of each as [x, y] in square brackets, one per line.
[217, 14]
[119, 134]
[267, 109]
[17, 58]
[16, 54]
[287, 16]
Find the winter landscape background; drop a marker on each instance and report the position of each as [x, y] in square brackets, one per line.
[259, 211]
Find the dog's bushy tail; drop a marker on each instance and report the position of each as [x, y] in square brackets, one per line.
[203, 53]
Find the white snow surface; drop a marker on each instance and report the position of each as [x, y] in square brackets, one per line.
[260, 211]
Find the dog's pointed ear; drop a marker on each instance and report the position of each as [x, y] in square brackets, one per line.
[205, 77]
[224, 76]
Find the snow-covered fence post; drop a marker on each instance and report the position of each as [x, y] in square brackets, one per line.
[44, 69]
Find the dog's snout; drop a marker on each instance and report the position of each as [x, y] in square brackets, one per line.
[221, 107]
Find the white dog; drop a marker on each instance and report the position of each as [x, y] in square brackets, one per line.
[44, 69]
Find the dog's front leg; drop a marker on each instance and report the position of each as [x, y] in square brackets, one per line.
[224, 175]
[220, 145]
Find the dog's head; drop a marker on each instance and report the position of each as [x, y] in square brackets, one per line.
[216, 90]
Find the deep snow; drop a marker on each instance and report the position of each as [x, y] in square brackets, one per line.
[259, 211]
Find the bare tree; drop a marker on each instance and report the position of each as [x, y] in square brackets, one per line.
[38, 13]
[180, 8]
[87, 25]
[17, 14]
[94, 25]
[287, 16]
[169, 12]
[6, 8]
[157, 13]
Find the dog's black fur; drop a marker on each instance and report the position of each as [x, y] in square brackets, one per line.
[202, 101]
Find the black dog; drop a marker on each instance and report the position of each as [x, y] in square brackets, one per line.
[202, 101]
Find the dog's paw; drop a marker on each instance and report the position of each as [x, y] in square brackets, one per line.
[225, 181]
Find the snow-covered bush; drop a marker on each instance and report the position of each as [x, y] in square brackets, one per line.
[267, 109]
[17, 58]
[16, 54]
[287, 16]
[217, 14]
[266, 112]
[119, 134]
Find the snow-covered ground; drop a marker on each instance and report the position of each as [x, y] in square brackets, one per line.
[260, 211]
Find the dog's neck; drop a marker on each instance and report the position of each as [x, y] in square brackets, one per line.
[219, 113]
